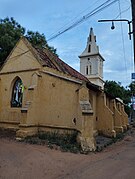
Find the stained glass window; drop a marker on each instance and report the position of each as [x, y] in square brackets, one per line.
[17, 93]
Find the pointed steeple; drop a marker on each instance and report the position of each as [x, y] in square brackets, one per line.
[91, 62]
[91, 47]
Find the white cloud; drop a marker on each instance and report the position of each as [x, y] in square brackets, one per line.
[107, 53]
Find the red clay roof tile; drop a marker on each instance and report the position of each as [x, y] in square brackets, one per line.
[56, 63]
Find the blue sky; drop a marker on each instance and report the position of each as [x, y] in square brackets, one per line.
[49, 16]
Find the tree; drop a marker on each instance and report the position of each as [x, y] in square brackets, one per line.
[114, 89]
[38, 40]
[118, 91]
[10, 33]
[132, 88]
[132, 94]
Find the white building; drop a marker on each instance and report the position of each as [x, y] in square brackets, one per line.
[91, 62]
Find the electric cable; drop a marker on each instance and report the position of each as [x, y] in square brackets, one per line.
[71, 21]
[122, 12]
[123, 42]
[84, 18]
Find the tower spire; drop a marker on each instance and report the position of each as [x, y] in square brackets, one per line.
[91, 47]
[92, 37]
[91, 62]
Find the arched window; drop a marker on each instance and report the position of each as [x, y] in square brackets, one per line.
[90, 69]
[17, 93]
[89, 48]
[87, 70]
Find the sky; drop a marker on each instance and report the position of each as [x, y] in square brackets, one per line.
[49, 17]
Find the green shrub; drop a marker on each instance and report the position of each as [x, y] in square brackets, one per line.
[66, 142]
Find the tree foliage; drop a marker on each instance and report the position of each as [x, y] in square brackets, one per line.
[132, 88]
[38, 40]
[118, 91]
[132, 94]
[10, 33]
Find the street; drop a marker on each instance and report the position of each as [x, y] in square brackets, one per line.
[25, 161]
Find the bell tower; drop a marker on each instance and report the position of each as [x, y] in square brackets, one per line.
[91, 62]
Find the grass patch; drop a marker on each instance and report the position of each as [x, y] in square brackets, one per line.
[54, 140]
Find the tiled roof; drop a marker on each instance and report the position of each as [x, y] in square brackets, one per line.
[48, 59]
[52, 61]
[93, 86]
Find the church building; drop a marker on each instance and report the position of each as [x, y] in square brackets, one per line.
[39, 92]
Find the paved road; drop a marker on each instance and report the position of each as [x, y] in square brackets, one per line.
[24, 161]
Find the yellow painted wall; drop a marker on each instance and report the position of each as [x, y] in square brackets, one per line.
[20, 63]
[93, 101]
[105, 121]
[87, 118]
[53, 100]
[7, 82]
[21, 58]
[124, 117]
[117, 117]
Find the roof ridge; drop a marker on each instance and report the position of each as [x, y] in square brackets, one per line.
[64, 67]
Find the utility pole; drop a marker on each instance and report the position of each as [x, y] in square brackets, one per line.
[133, 24]
[133, 76]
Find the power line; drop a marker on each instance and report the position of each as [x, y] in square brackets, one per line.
[123, 42]
[84, 18]
[71, 21]
[122, 12]
[131, 61]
